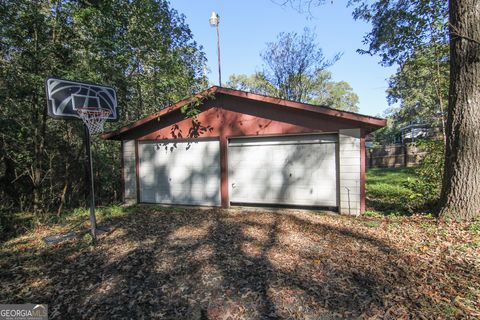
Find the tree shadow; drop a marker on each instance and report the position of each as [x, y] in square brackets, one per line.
[176, 263]
[298, 174]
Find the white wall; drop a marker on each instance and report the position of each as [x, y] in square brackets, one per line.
[349, 171]
[129, 171]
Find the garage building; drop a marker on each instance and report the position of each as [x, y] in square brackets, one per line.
[246, 149]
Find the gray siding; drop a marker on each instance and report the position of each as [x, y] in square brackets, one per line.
[349, 170]
[129, 171]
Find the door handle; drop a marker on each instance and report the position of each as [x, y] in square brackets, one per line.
[233, 185]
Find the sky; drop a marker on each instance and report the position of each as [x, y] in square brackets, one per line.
[246, 26]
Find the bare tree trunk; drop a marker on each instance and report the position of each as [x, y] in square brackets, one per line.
[438, 91]
[460, 198]
[68, 161]
[437, 76]
[63, 197]
[39, 142]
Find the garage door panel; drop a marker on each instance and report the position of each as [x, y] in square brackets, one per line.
[187, 194]
[210, 185]
[241, 156]
[162, 196]
[276, 178]
[283, 170]
[147, 175]
[180, 173]
[326, 197]
[148, 195]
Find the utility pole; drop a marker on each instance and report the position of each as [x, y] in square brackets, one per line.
[214, 22]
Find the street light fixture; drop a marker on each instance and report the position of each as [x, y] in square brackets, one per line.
[214, 22]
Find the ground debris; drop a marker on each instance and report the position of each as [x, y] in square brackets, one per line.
[251, 264]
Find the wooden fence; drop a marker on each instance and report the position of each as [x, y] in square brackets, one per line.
[391, 156]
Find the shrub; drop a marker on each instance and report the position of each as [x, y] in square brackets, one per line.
[427, 185]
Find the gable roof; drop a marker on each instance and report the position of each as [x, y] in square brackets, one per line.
[369, 121]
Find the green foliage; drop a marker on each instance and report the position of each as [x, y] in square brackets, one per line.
[87, 239]
[372, 214]
[339, 95]
[192, 108]
[415, 84]
[142, 48]
[256, 83]
[387, 191]
[475, 227]
[372, 224]
[291, 60]
[387, 134]
[414, 35]
[408, 190]
[420, 87]
[429, 173]
[295, 69]
[399, 27]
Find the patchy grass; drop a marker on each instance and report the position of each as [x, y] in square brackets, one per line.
[475, 226]
[387, 192]
[172, 263]
[15, 224]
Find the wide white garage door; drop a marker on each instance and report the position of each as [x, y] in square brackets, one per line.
[180, 172]
[296, 170]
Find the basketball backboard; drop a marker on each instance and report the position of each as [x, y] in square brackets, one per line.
[65, 96]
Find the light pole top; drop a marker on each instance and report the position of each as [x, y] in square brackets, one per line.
[214, 19]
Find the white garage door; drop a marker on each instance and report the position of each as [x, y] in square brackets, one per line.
[180, 172]
[296, 170]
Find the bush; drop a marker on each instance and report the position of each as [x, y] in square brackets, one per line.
[400, 191]
[427, 185]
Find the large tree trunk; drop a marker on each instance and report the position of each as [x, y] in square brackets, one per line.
[460, 198]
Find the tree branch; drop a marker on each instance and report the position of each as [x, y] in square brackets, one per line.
[455, 32]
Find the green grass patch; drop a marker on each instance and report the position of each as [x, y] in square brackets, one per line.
[22, 223]
[387, 191]
[373, 214]
[475, 227]
[372, 224]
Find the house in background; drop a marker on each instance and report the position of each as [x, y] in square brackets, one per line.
[402, 150]
[247, 149]
[415, 131]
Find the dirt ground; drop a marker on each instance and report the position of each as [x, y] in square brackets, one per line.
[178, 263]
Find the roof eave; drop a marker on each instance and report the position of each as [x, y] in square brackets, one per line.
[369, 122]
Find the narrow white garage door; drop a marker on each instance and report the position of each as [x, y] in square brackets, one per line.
[296, 170]
[180, 172]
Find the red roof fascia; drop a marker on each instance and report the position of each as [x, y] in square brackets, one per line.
[368, 120]
[305, 106]
[156, 115]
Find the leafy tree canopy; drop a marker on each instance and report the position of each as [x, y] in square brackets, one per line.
[417, 87]
[295, 69]
[401, 27]
[142, 48]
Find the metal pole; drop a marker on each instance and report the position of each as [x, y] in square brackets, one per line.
[218, 48]
[93, 219]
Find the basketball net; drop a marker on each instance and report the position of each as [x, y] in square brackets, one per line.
[94, 118]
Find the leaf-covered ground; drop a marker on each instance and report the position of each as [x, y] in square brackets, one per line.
[172, 263]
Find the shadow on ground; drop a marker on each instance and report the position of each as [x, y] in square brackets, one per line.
[212, 264]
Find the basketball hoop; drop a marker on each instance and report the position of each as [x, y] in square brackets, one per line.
[94, 104]
[94, 118]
